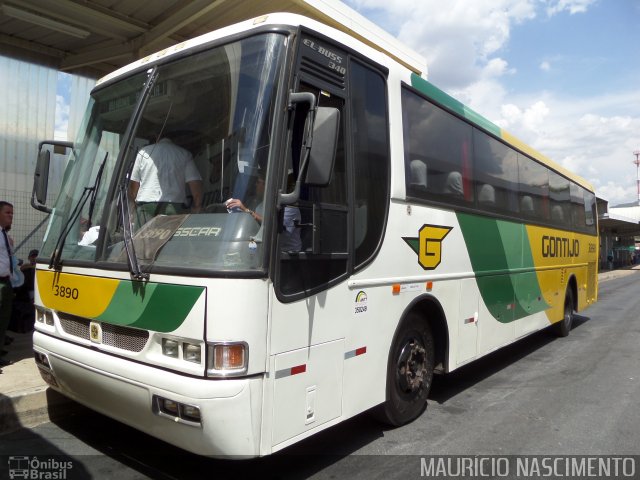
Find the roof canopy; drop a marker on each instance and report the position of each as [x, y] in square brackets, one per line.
[96, 37]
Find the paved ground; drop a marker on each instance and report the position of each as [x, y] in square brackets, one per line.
[25, 400]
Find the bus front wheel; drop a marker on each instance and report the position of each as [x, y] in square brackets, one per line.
[409, 372]
[563, 327]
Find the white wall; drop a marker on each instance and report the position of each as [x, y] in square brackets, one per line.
[28, 116]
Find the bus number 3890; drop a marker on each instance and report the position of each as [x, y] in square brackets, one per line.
[65, 292]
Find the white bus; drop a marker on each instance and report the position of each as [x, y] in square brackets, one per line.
[396, 234]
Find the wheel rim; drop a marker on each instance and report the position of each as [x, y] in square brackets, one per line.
[411, 368]
[568, 314]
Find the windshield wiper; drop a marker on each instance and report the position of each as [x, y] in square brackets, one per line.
[94, 193]
[134, 265]
[55, 262]
[88, 192]
[125, 151]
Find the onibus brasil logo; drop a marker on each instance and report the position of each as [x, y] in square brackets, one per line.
[428, 245]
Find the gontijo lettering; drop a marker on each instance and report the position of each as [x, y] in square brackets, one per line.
[553, 247]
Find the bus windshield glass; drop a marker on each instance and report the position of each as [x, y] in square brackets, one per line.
[160, 154]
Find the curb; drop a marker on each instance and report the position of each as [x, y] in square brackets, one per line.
[32, 408]
[25, 399]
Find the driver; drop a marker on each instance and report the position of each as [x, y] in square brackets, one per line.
[258, 211]
[158, 179]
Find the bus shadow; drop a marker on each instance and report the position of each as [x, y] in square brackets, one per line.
[448, 386]
[154, 458]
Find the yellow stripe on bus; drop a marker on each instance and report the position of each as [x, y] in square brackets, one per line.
[558, 254]
[75, 294]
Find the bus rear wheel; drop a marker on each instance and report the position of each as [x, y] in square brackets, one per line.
[409, 372]
[563, 327]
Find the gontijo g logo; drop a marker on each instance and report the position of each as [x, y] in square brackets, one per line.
[428, 245]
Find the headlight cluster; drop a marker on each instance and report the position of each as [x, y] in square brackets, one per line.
[176, 411]
[191, 352]
[44, 316]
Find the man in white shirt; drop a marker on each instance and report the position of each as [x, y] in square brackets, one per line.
[6, 290]
[158, 179]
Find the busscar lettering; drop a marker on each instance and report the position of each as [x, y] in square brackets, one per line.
[555, 247]
[198, 232]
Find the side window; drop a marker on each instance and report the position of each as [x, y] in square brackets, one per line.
[313, 234]
[534, 189]
[559, 194]
[591, 214]
[578, 217]
[437, 152]
[496, 174]
[371, 159]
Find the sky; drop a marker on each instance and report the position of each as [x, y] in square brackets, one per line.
[561, 75]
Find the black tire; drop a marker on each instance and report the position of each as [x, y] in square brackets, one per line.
[409, 372]
[562, 328]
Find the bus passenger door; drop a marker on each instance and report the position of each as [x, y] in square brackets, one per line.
[310, 298]
[318, 323]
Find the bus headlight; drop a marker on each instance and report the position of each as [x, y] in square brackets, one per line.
[176, 411]
[191, 352]
[44, 315]
[169, 407]
[170, 347]
[227, 359]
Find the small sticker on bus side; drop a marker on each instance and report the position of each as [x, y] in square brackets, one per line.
[361, 303]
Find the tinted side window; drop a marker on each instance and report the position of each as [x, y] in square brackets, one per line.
[371, 159]
[321, 253]
[496, 174]
[578, 218]
[437, 152]
[534, 189]
[591, 214]
[560, 197]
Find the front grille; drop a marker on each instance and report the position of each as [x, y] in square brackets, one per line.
[76, 326]
[117, 336]
[125, 338]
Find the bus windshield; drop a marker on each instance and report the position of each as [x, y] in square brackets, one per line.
[180, 139]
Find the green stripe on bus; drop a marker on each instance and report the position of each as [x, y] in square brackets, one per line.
[454, 105]
[502, 261]
[153, 306]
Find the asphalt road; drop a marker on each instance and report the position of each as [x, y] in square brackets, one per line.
[541, 396]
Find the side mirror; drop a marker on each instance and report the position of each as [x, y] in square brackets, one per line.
[41, 177]
[320, 145]
[323, 149]
[41, 174]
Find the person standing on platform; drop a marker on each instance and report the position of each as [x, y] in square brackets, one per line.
[6, 269]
